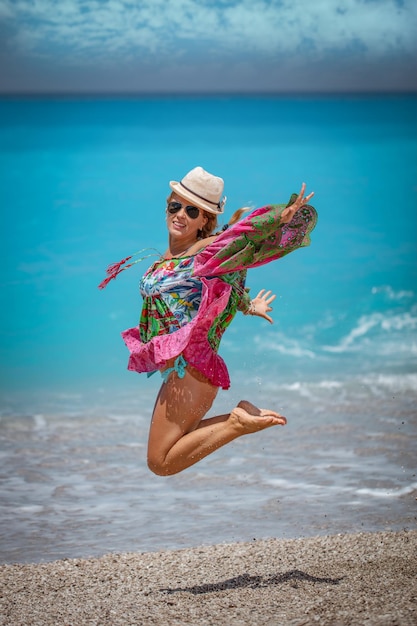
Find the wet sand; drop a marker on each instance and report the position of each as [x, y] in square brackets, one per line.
[368, 578]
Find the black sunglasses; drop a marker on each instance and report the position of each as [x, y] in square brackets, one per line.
[192, 211]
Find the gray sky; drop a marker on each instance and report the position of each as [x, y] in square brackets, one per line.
[168, 46]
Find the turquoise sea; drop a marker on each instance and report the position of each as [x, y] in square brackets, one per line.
[83, 183]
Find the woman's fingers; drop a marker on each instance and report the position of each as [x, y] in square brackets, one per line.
[266, 296]
[301, 199]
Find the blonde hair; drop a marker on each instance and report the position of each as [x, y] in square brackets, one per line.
[212, 224]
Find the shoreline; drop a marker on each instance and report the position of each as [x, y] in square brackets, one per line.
[339, 579]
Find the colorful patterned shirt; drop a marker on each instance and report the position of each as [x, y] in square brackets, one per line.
[172, 296]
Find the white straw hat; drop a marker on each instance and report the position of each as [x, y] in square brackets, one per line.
[202, 189]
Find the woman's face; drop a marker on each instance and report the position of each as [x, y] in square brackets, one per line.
[180, 224]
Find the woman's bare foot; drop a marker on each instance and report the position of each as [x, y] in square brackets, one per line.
[254, 410]
[250, 418]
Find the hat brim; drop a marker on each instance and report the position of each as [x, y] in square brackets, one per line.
[198, 202]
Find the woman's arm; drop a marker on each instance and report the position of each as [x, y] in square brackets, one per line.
[200, 244]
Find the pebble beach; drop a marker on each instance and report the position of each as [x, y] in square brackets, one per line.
[366, 578]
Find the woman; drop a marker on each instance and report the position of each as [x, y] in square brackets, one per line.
[191, 295]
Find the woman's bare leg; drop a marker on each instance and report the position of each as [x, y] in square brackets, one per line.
[179, 436]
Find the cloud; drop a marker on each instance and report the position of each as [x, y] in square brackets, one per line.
[94, 30]
[200, 45]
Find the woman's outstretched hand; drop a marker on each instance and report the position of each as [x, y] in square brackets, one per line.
[260, 305]
[288, 213]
